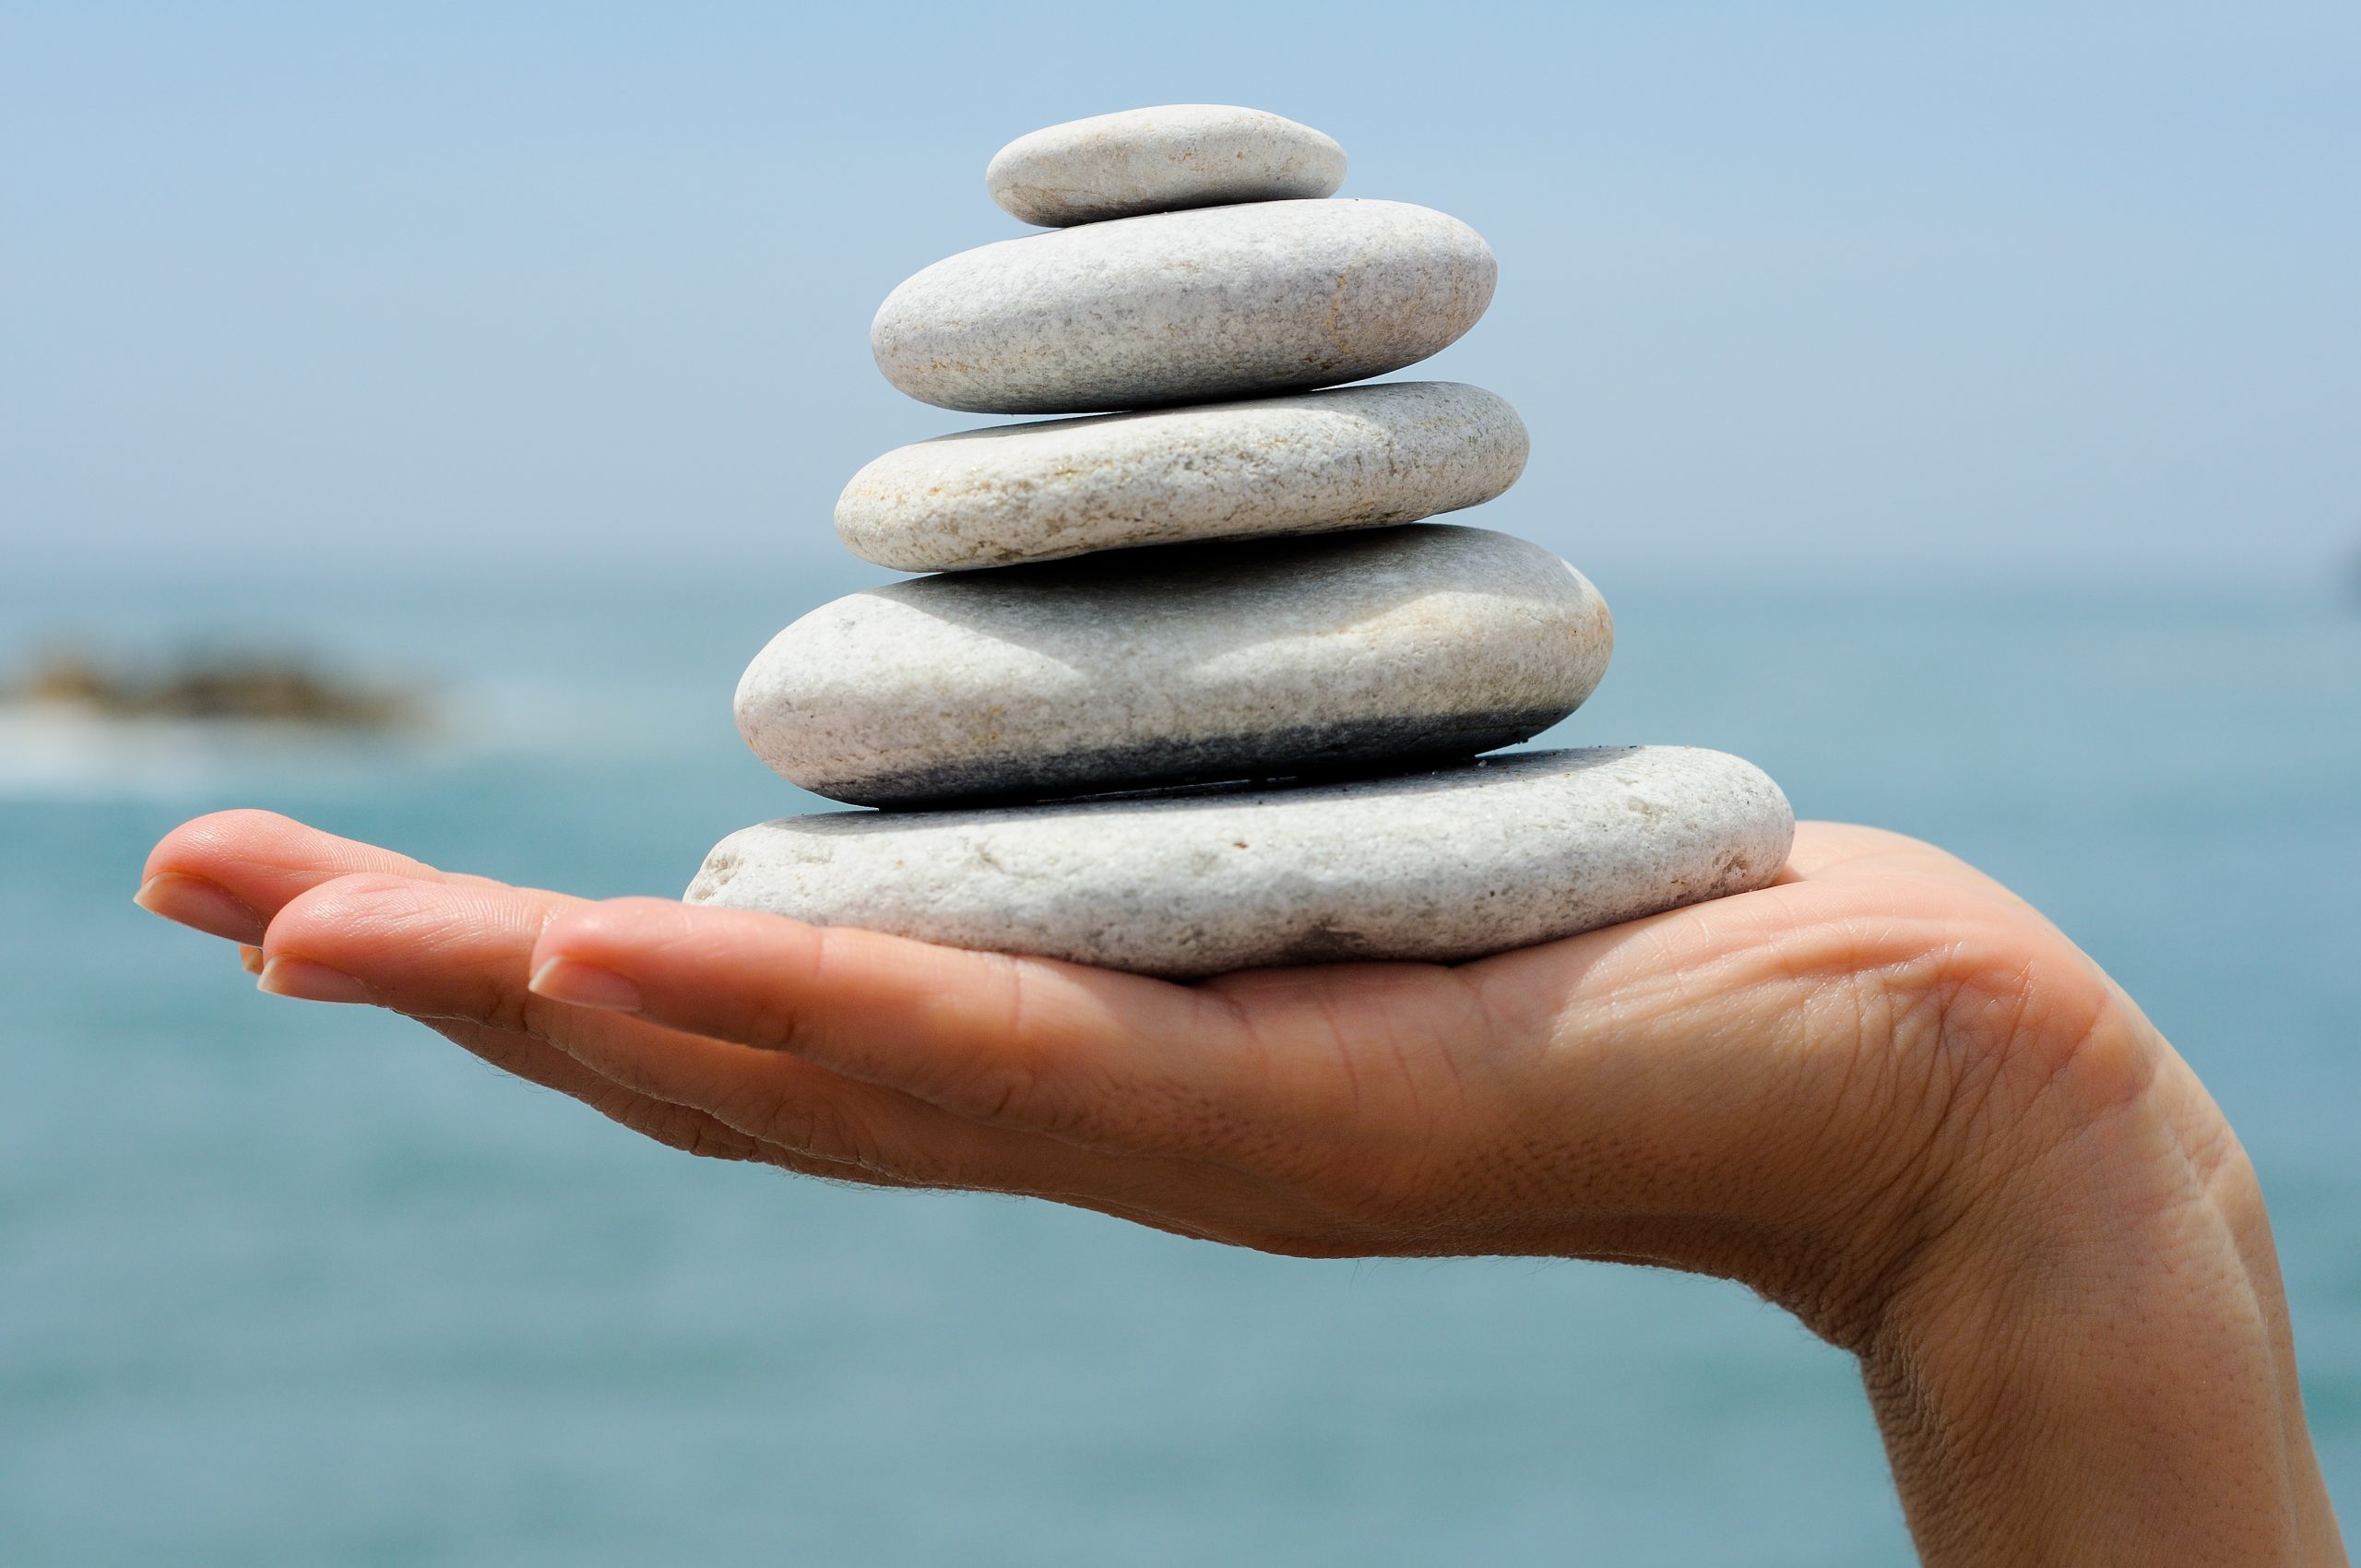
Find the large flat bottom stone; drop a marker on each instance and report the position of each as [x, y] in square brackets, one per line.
[1503, 853]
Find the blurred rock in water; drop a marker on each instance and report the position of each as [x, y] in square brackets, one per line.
[242, 688]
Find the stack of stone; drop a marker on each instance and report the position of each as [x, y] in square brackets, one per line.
[1192, 689]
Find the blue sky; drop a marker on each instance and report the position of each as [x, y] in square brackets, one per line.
[2015, 289]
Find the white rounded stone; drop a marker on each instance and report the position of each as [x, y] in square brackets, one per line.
[1347, 457]
[1185, 307]
[1499, 853]
[1186, 663]
[1161, 160]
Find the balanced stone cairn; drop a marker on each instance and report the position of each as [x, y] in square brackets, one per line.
[1192, 689]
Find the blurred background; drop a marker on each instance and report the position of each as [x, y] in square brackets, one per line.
[413, 420]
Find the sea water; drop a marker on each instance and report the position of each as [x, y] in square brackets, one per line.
[291, 1284]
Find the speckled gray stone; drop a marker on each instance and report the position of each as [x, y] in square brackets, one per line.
[1184, 307]
[1349, 458]
[1160, 160]
[1500, 853]
[1181, 664]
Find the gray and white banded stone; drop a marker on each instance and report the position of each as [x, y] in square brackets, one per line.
[1347, 457]
[1185, 307]
[1178, 664]
[1500, 853]
[1161, 160]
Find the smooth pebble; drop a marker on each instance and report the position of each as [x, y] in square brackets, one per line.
[1185, 307]
[1185, 663]
[1160, 160]
[1440, 867]
[1349, 458]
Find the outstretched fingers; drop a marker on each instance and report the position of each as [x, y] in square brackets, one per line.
[1100, 1058]
[461, 954]
[300, 852]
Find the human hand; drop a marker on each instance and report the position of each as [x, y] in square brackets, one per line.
[1883, 1093]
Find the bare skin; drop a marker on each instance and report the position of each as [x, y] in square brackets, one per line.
[1885, 1093]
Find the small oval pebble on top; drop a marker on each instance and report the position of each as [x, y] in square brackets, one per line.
[1161, 161]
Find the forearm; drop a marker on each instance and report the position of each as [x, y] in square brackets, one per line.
[2096, 1367]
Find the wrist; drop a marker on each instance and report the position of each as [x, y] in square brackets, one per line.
[2088, 1358]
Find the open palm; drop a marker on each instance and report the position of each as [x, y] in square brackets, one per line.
[1604, 1094]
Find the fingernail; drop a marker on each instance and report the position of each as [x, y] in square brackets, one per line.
[251, 956]
[193, 901]
[307, 981]
[585, 985]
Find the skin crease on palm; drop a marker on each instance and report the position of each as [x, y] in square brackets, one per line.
[1884, 1093]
